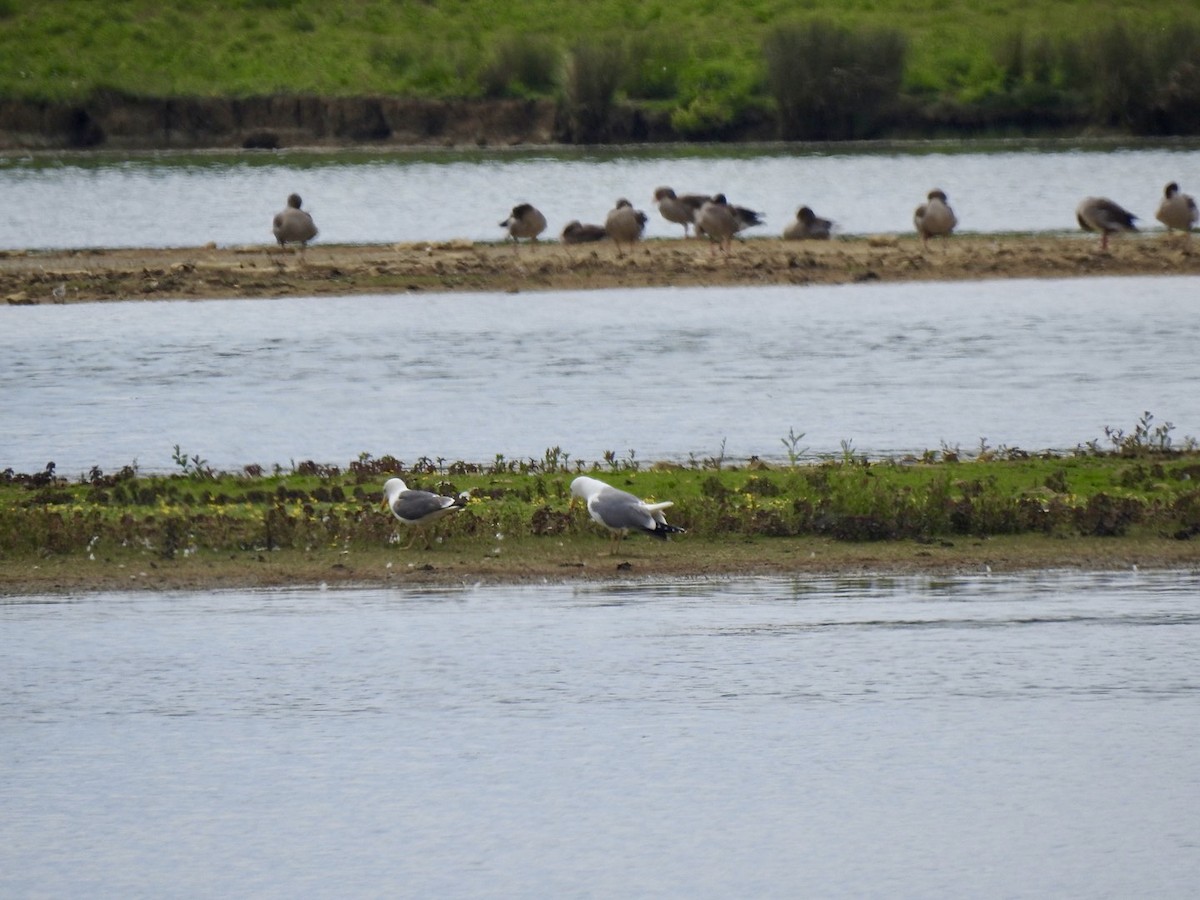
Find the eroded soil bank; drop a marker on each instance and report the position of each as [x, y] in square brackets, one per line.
[32, 277]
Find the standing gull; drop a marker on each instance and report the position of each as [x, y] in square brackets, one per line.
[525, 221]
[293, 225]
[1177, 210]
[1102, 215]
[621, 512]
[417, 509]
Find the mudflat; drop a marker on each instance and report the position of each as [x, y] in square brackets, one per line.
[90, 275]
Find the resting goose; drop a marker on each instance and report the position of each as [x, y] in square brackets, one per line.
[293, 225]
[808, 226]
[1177, 210]
[934, 217]
[625, 224]
[575, 232]
[525, 221]
[1103, 215]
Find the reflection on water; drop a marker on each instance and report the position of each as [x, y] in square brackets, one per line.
[666, 374]
[189, 201]
[875, 736]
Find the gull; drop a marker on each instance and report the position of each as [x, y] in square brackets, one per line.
[625, 224]
[1177, 210]
[293, 225]
[680, 210]
[575, 232]
[417, 509]
[1102, 215]
[934, 217]
[807, 226]
[621, 512]
[525, 221]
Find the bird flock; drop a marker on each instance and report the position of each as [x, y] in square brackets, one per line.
[714, 217]
[620, 512]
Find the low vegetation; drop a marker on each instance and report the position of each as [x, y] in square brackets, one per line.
[1130, 484]
[819, 69]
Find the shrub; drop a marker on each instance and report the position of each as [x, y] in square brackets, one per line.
[521, 64]
[831, 83]
[593, 73]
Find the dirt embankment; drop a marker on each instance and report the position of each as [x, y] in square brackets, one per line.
[31, 277]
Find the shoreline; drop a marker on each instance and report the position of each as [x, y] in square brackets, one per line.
[32, 277]
[586, 560]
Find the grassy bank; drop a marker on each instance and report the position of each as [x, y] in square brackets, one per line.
[707, 68]
[1133, 500]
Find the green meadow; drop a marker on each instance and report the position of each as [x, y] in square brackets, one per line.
[1137, 485]
[820, 68]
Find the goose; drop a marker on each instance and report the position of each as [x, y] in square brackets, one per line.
[680, 210]
[625, 224]
[575, 232]
[417, 509]
[1103, 215]
[934, 217]
[621, 512]
[721, 220]
[1177, 210]
[293, 225]
[525, 221]
[808, 226]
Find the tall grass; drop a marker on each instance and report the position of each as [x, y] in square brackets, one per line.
[830, 82]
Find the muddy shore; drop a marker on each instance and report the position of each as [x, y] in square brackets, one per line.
[73, 276]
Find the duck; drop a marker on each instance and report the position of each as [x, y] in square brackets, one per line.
[525, 221]
[808, 226]
[1103, 215]
[625, 224]
[934, 217]
[292, 225]
[680, 210]
[1177, 210]
[575, 232]
[417, 509]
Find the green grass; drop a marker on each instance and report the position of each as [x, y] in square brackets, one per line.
[1134, 488]
[699, 60]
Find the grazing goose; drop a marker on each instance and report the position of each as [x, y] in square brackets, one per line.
[621, 512]
[576, 232]
[808, 226]
[525, 221]
[934, 217]
[1177, 210]
[680, 210]
[625, 224]
[417, 509]
[293, 225]
[1102, 215]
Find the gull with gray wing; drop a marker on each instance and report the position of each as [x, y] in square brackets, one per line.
[621, 512]
[417, 509]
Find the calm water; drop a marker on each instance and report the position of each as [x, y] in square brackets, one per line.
[87, 201]
[668, 374]
[1023, 736]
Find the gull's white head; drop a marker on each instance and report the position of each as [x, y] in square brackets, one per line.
[393, 488]
[585, 488]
